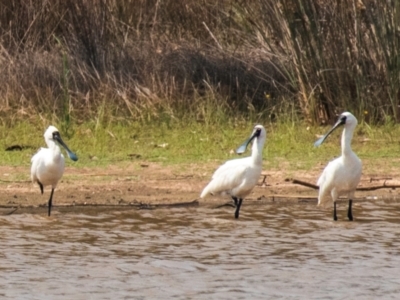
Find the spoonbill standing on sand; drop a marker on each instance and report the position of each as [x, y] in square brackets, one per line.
[48, 163]
[238, 177]
[342, 175]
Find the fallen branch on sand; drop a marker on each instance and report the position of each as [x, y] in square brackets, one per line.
[263, 182]
[304, 183]
[364, 188]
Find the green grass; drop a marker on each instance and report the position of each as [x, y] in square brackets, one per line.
[289, 145]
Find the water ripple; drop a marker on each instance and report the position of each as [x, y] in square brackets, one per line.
[272, 251]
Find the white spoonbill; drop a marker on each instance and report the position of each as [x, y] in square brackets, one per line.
[238, 177]
[342, 175]
[48, 163]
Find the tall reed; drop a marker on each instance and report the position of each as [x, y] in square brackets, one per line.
[339, 55]
[161, 59]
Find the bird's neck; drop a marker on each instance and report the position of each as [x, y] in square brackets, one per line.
[256, 151]
[347, 135]
[54, 147]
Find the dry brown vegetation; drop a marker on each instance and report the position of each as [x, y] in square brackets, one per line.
[140, 59]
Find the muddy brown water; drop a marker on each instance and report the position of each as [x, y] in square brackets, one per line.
[273, 251]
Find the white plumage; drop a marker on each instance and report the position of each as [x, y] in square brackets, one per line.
[342, 175]
[48, 163]
[239, 176]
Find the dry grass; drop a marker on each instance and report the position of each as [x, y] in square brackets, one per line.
[83, 60]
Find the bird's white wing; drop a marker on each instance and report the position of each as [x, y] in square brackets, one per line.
[322, 178]
[36, 155]
[326, 182]
[329, 172]
[35, 160]
[227, 177]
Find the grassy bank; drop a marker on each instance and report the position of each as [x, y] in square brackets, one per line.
[289, 145]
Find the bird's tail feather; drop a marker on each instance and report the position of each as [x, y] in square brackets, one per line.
[204, 192]
[324, 201]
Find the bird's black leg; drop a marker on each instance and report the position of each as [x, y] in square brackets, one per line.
[238, 208]
[349, 212]
[334, 211]
[51, 200]
[41, 186]
[235, 200]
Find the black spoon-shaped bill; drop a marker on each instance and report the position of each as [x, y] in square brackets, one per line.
[71, 154]
[242, 148]
[322, 139]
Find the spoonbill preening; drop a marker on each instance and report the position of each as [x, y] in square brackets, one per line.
[48, 163]
[342, 175]
[238, 177]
